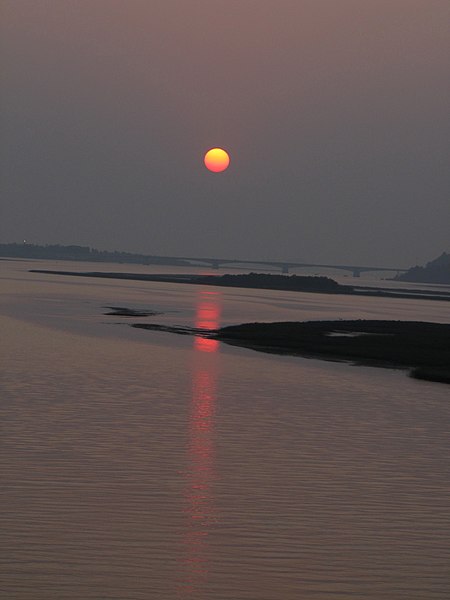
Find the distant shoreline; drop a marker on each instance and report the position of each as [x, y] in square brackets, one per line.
[296, 283]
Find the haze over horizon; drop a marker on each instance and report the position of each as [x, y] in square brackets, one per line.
[335, 116]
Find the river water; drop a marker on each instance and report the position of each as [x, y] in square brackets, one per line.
[140, 464]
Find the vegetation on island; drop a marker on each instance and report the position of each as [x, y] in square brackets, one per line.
[303, 283]
[436, 271]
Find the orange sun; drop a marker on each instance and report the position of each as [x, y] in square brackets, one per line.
[216, 160]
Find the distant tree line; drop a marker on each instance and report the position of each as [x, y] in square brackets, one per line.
[80, 253]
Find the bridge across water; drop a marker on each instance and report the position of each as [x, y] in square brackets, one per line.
[284, 266]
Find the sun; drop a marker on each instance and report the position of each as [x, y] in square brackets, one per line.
[217, 160]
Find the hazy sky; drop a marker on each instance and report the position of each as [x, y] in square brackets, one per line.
[336, 114]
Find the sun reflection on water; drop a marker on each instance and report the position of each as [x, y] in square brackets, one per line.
[201, 474]
[207, 317]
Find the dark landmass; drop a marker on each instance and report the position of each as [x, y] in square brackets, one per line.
[178, 329]
[297, 283]
[396, 343]
[422, 347]
[252, 280]
[121, 311]
[436, 271]
[83, 253]
[431, 374]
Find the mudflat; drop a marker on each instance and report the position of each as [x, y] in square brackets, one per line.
[422, 347]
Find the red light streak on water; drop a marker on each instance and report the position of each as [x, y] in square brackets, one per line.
[200, 509]
[207, 317]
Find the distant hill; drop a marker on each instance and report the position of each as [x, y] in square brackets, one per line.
[80, 253]
[436, 271]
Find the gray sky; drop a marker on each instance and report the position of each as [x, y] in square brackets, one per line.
[335, 114]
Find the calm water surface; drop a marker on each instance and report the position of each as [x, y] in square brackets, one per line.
[139, 464]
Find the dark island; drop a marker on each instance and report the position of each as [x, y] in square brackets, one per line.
[122, 311]
[289, 283]
[264, 281]
[423, 348]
